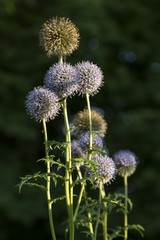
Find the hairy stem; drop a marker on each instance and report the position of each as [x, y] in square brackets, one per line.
[48, 183]
[126, 209]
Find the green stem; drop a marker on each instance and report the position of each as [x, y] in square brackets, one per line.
[90, 126]
[105, 237]
[61, 59]
[126, 209]
[68, 182]
[48, 183]
[68, 178]
[86, 202]
[80, 194]
[90, 153]
[99, 211]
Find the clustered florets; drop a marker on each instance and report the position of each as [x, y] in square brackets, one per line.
[76, 149]
[89, 78]
[59, 36]
[84, 141]
[42, 104]
[77, 153]
[125, 162]
[105, 169]
[81, 122]
[61, 78]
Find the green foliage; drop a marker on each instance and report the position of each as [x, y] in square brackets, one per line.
[54, 144]
[25, 181]
[138, 228]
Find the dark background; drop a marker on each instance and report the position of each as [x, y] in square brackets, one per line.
[123, 38]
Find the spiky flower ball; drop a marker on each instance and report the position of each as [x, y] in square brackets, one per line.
[42, 104]
[84, 141]
[89, 78]
[76, 149]
[125, 163]
[61, 78]
[59, 36]
[81, 123]
[105, 169]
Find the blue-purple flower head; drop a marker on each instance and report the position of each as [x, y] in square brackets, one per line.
[77, 152]
[125, 163]
[89, 78]
[42, 104]
[105, 169]
[84, 141]
[76, 149]
[61, 78]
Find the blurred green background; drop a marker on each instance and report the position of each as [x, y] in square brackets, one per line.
[123, 38]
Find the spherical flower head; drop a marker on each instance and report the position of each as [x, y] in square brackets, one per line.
[77, 152]
[105, 169]
[89, 78]
[81, 123]
[59, 36]
[125, 163]
[42, 104]
[61, 78]
[84, 141]
[76, 149]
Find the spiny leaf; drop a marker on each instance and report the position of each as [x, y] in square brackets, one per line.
[119, 195]
[58, 145]
[138, 228]
[58, 199]
[27, 178]
[36, 185]
[57, 162]
[116, 233]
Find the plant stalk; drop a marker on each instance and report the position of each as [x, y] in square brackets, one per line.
[68, 182]
[80, 194]
[126, 209]
[48, 183]
[68, 178]
[98, 212]
[105, 237]
[89, 155]
[90, 127]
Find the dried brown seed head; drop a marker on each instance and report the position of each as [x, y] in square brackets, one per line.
[59, 36]
[81, 123]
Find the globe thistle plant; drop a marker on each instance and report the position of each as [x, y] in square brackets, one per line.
[105, 169]
[89, 78]
[125, 163]
[59, 36]
[84, 140]
[81, 122]
[61, 78]
[42, 104]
